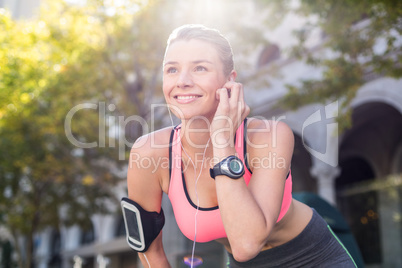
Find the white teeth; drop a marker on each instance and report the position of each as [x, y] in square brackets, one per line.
[186, 97]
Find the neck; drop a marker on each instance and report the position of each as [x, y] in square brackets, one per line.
[195, 134]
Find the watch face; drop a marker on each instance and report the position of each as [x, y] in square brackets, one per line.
[236, 166]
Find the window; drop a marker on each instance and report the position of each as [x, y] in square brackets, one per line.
[269, 54]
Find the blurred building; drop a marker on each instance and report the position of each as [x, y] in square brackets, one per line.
[358, 171]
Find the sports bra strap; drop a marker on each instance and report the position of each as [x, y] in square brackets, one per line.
[171, 143]
[170, 152]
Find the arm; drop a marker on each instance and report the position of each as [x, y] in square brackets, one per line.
[144, 185]
[250, 213]
[260, 201]
[155, 256]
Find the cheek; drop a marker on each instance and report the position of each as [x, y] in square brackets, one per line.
[213, 86]
[167, 88]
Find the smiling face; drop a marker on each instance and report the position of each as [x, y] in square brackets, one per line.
[192, 73]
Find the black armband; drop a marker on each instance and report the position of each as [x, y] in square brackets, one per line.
[142, 227]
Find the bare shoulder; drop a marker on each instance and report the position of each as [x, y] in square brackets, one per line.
[154, 144]
[148, 168]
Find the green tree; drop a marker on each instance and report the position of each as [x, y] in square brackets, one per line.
[63, 76]
[364, 38]
[48, 66]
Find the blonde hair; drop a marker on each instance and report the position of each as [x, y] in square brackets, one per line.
[188, 32]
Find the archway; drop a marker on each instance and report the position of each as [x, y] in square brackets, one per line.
[366, 157]
[300, 166]
[360, 208]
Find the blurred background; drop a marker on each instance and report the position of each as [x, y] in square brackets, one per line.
[80, 81]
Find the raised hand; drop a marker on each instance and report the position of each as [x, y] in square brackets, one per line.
[231, 111]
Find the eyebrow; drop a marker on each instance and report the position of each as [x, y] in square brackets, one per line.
[194, 62]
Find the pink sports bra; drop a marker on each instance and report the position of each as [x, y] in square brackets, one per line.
[209, 222]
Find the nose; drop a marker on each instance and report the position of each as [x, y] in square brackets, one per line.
[184, 80]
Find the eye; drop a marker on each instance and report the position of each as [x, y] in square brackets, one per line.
[171, 70]
[200, 69]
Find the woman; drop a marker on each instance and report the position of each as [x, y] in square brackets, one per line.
[220, 180]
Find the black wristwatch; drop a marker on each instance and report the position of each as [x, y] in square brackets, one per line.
[231, 166]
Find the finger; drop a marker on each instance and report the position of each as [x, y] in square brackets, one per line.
[246, 112]
[239, 102]
[244, 108]
[233, 89]
[235, 93]
[241, 97]
[223, 99]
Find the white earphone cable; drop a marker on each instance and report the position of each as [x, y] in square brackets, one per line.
[196, 192]
[145, 256]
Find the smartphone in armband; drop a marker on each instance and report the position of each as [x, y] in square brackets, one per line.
[142, 227]
[134, 230]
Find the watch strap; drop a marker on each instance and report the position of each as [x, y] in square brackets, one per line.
[216, 170]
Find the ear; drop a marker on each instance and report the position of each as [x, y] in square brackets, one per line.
[232, 75]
